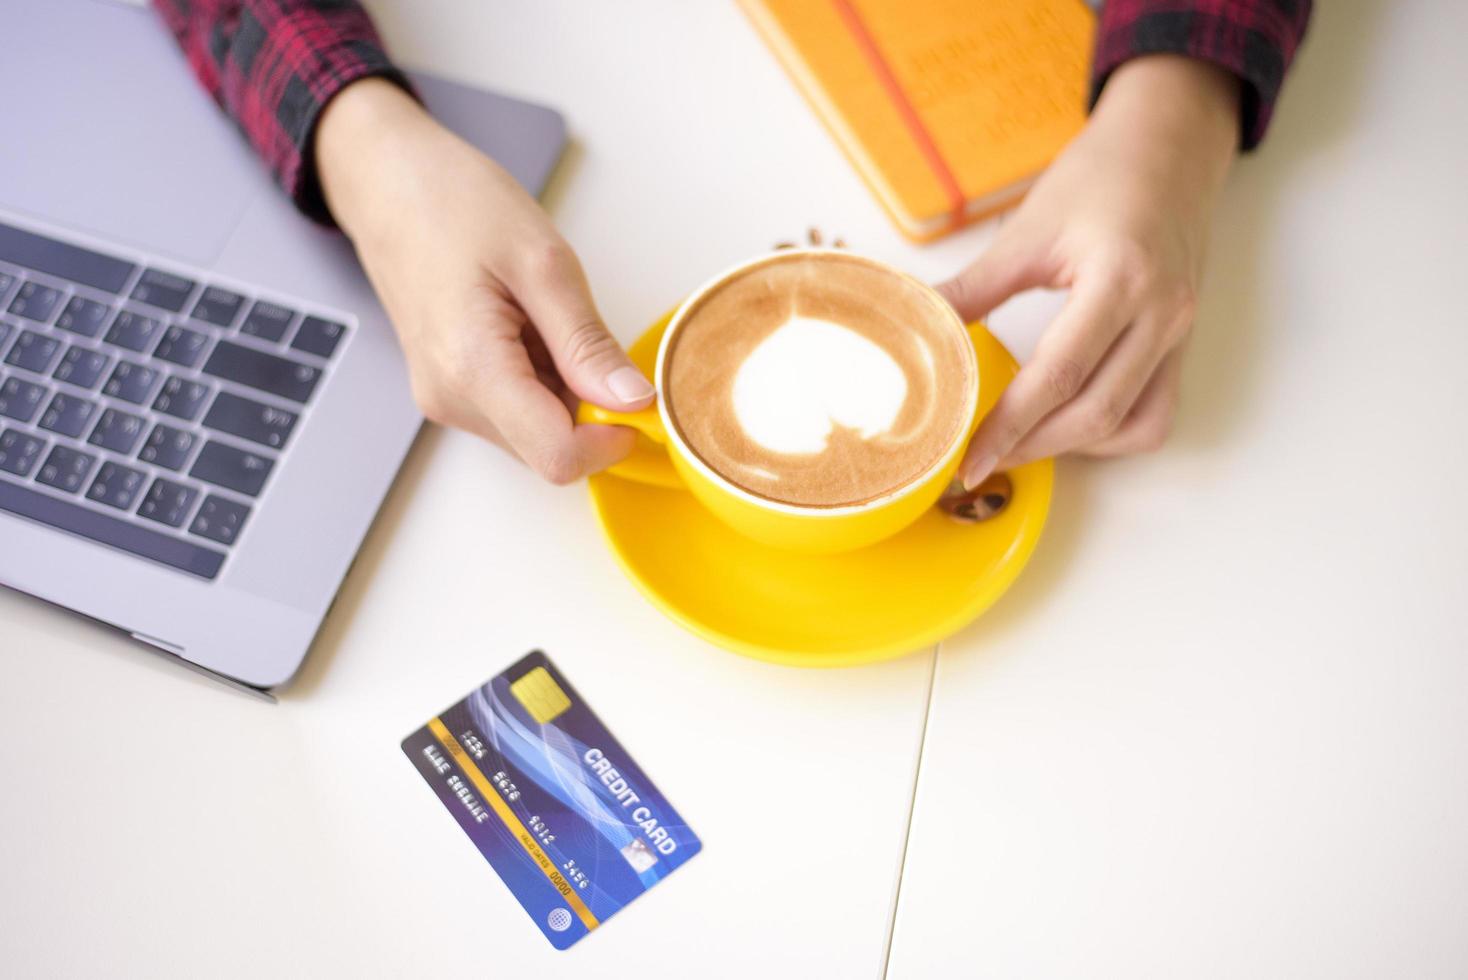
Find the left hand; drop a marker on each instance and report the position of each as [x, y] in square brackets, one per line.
[1120, 219]
[496, 319]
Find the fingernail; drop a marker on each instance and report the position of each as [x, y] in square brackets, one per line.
[979, 470]
[628, 384]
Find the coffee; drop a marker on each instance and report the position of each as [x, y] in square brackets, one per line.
[819, 379]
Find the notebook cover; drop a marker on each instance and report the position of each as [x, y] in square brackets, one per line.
[947, 108]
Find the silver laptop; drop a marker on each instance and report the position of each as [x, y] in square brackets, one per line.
[201, 403]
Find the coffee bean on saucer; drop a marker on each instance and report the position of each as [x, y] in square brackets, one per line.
[981, 503]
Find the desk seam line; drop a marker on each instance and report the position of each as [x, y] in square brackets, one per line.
[911, 811]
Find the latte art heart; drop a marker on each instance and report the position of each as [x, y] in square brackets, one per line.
[810, 376]
[819, 379]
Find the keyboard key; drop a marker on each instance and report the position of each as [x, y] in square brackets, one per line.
[5, 331]
[318, 336]
[182, 398]
[163, 289]
[220, 519]
[6, 281]
[182, 346]
[66, 469]
[82, 367]
[117, 431]
[133, 331]
[131, 382]
[68, 415]
[218, 306]
[19, 247]
[33, 351]
[83, 316]
[231, 468]
[103, 528]
[35, 302]
[168, 502]
[257, 369]
[267, 321]
[19, 452]
[168, 447]
[117, 486]
[20, 400]
[250, 420]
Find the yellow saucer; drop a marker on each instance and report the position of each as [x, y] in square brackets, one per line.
[899, 595]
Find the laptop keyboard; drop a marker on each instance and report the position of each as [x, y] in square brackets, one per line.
[142, 409]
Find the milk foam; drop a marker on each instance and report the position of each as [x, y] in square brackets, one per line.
[818, 379]
[811, 375]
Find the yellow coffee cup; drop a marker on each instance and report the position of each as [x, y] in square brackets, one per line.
[662, 458]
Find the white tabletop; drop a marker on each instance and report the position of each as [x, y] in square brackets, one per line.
[1213, 729]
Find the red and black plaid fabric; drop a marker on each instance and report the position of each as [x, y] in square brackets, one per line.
[273, 65]
[1254, 39]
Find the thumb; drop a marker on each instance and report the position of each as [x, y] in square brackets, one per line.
[1001, 272]
[558, 301]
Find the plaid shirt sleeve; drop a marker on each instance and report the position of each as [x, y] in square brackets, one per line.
[273, 65]
[1254, 39]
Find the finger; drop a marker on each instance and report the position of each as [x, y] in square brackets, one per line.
[489, 432]
[1150, 422]
[545, 371]
[1005, 269]
[601, 446]
[537, 424]
[1069, 351]
[597, 456]
[540, 357]
[553, 291]
[1103, 404]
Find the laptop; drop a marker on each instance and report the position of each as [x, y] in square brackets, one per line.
[202, 404]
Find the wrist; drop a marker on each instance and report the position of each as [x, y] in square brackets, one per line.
[356, 130]
[1178, 105]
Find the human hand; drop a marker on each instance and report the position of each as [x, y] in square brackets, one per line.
[1120, 219]
[492, 308]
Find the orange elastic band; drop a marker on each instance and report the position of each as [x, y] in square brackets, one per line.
[905, 109]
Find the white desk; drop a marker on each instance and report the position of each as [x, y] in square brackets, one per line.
[1154, 757]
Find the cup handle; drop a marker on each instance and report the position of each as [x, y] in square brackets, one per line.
[649, 462]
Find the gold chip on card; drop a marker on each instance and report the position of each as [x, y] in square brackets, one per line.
[541, 695]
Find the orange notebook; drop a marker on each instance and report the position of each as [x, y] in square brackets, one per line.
[947, 108]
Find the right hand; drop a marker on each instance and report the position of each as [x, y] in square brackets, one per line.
[1121, 220]
[492, 308]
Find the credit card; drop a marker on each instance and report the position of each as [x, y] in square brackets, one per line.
[554, 803]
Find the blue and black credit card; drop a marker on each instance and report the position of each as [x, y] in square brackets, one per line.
[554, 803]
